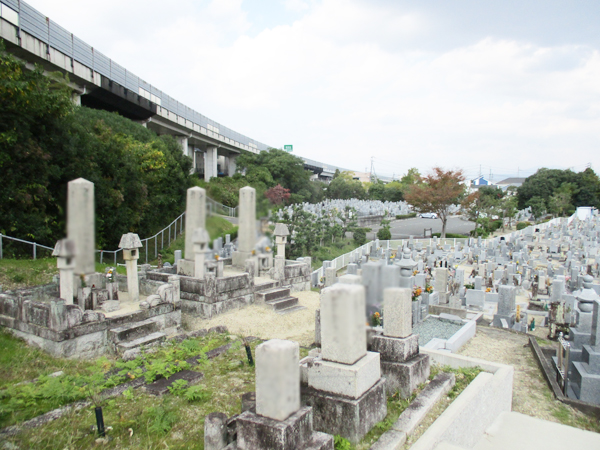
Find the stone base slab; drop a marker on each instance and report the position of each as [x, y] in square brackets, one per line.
[348, 380]
[239, 258]
[256, 432]
[395, 349]
[350, 418]
[186, 267]
[405, 376]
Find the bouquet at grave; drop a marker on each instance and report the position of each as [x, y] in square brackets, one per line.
[376, 319]
[488, 289]
[110, 276]
[428, 288]
[416, 293]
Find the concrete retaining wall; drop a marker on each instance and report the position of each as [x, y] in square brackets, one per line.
[475, 409]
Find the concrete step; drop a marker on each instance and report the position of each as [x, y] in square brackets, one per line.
[290, 310]
[271, 294]
[282, 303]
[132, 331]
[147, 341]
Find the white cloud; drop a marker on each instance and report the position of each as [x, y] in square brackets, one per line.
[341, 84]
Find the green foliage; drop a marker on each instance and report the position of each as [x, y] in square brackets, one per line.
[197, 394]
[560, 190]
[341, 443]
[405, 216]
[45, 142]
[179, 387]
[522, 225]
[450, 235]
[344, 187]
[384, 233]
[359, 237]
[162, 419]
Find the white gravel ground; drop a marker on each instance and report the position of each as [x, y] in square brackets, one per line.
[262, 322]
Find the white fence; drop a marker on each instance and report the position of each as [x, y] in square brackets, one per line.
[342, 261]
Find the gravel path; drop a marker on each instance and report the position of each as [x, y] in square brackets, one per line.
[260, 321]
[435, 328]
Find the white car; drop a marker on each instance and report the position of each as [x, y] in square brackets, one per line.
[428, 216]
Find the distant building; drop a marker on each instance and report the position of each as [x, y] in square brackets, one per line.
[505, 184]
[480, 181]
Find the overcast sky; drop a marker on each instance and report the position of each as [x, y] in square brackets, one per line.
[509, 85]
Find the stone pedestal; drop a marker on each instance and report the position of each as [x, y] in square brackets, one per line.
[279, 422]
[348, 417]
[402, 366]
[344, 384]
[255, 432]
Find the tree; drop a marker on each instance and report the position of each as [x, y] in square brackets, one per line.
[538, 206]
[344, 187]
[33, 119]
[278, 195]
[437, 192]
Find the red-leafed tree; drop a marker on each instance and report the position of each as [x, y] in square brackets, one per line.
[278, 195]
[436, 192]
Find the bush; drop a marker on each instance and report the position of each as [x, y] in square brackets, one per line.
[405, 216]
[384, 234]
[522, 225]
[450, 235]
[495, 225]
[360, 236]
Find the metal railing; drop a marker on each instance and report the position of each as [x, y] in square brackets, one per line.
[156, 242]
[34, 245]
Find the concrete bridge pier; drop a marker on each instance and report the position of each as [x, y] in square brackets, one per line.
[210, 163]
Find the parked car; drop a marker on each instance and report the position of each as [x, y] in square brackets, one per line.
[428, 216]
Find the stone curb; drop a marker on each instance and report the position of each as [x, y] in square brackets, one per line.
[409, 420]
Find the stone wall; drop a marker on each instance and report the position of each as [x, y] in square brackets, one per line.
[66, 331]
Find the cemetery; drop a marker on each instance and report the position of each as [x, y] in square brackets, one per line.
[384, 331]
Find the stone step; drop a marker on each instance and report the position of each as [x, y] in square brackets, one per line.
[282, 303]
[272, 294]
[132, 331]
[290, 310]
[148, 340]
[265, 286]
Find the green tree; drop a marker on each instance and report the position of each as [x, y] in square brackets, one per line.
[34, 111]
[344, 187]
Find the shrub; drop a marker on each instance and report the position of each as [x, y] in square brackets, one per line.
[384, 234]
[522, 225]
[450, 235]
[405, 216]
[359, 236]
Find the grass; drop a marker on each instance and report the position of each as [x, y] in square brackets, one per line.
[138, 420]
[21, 273]
[216, 226]
[328, 253]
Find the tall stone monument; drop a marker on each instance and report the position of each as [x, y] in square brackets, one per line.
[195, 217]
[247, 226]
[81, 224]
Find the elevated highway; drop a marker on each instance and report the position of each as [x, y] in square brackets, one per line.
[101, 83]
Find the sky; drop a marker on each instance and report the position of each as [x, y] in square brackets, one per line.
[497, 88]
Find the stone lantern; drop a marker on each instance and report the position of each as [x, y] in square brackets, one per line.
[65, 261]
[200, 240]
[407, 265]
[586, 295]
[130, 243]
[281, 233]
